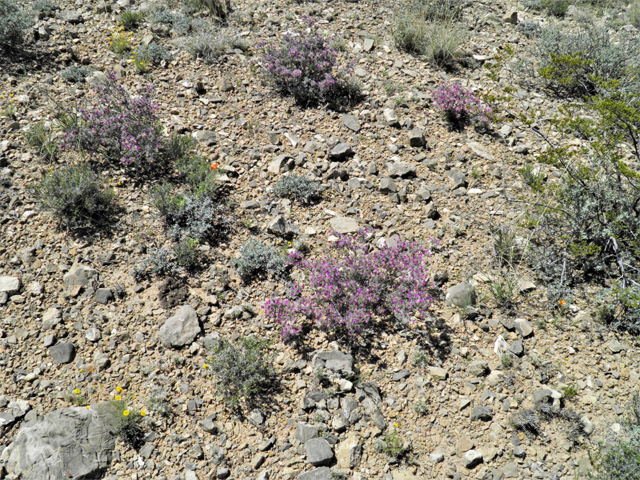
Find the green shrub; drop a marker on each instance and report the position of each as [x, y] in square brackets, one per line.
[201, 179]
[439, 10]
[421, 408]
[40, 138]
[393, 445]
[131, 20]
[438, 42]
[505, 248]
[161, 262]
[75, 195]
[129, 425]
[74, 74]
[557, 8]
[188, 254]
[217, 8]
[587, 60]
[45, 8]
[211, 44]
[159, 402]
[296, 187]
[242, 369]
[618, 457]
[504, 292]
[634, 13]
[14, 24]
[256, 258]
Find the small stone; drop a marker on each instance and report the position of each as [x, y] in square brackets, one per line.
[478, 368]
[481, 413]
[616, 347]
[461, 295]
[322, 473]
[472, 459]
[517, 348]
[256, 417]
[351, 122]
[63, 352]
[319, 452]
[223, 472]
[257, 461]
[438, 373]
[341, 151]
[225, 85]
[401, 375]
[103, 296]
[387, 185]
[436, 457]
[390, 118]
[511, 18]
[519, 452]
[368, 44]
[93, 334]
[404, 170]
[306, 432]
[344, 225]
[10, 285]
[523, 327]
[416, 138]
[181, 329]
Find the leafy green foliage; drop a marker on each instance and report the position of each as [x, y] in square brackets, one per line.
[40, 138]
[438, 41]
[242, 369]
[161, 262]
[504, 292]
[75, 195]
[128, 425]
[14, 23]
[296, 187]
[74, 74]
[618, 458]
[131, 20]
[587, 60]
[188, 254]
[45, 8]
[256, 258]
[393, 445]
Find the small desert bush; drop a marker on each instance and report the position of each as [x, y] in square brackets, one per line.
[14, 24]
[439, 10]
[210, 44]
[634, 13]
[256, 259]
[459, 107]
[439, 41]
[504, 291]
[131, 20]
[187, 215]
[188, 254]
[296, 187]
[586, 60]
[45, 8]
[129, 425]
[618, 457]
[218, 8]
[40, 137]
[306, 67]
[159, 402]
[75, 195]
[117, 126]
[180, 23]
[393, 445]
[74, 74]
[242, 369]
[200, 176]
[160, 261]
[353, 285]
[505, 247]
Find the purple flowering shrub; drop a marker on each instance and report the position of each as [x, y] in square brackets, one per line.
[306, 67]
[460, 107]
[116, 125]
[354, 285]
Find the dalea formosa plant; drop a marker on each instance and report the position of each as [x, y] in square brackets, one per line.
[353, 285]
[460, 107]
[306, 67]
[117, 126]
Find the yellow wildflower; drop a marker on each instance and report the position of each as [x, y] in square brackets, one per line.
[125, 413]
[142, 413]
[76, 391]
[118, 398]
[119, 389]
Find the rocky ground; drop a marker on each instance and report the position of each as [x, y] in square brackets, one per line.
[73, 319]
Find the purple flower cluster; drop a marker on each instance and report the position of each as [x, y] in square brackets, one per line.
[118, 126]
[305, 67]
[354, 284]
[459, 106]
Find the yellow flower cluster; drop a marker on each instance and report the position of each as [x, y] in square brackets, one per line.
[120, 40]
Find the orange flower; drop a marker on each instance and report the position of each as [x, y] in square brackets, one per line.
[562, 303]
[214, 166]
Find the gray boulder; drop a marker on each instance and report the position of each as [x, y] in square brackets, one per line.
[306, 432]
[10, 285]
[84, 276]
[63, 352]
[338, 362]
[341, 151]
[181, 329]
[481, 413]
[344, 225]
[461, 295]
[74, 443]
[416, 138]
[322, 473]
[319, 452]
[351, 122]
